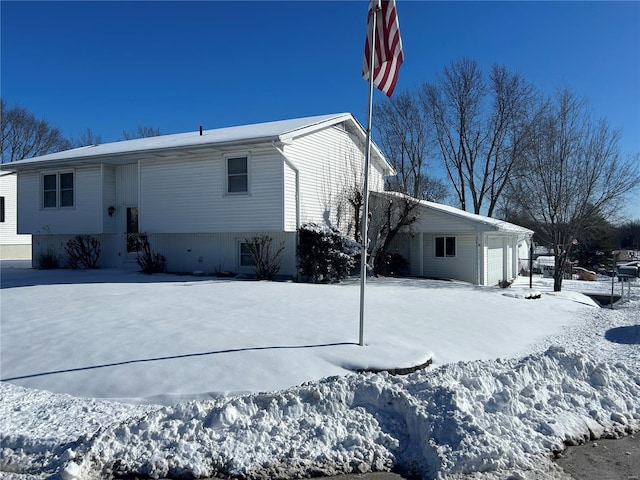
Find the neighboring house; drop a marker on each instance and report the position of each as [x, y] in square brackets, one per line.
[545, 264]
[627, 255]
[12, 245]
[198, 196]
[446, 242]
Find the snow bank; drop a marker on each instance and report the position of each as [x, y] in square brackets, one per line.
[466, 415]
[501, 416]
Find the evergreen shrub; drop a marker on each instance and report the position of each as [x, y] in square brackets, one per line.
[324, 254]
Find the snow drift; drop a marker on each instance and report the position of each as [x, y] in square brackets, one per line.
[502, 416]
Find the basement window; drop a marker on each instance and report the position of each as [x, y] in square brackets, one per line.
[445, 247]
[246, 257]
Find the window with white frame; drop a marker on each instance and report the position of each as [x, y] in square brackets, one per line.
[246, 256]
[237, 175]
[1, 209]
[445, 247]
[57, 190]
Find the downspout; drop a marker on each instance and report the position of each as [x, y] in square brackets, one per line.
[291, 165]
[139, 181]
[505, 257]
[479, 269]
[421, 254]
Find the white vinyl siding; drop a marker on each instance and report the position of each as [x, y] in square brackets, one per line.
[482, 255]
[289, 198]
[461, 267]
[86, 216]
[127, 185]
[189, 196]
[329, 162]
[13, 244]
[109, 198]
[192, 203]
[217, 252]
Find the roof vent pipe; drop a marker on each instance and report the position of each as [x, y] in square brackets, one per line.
[200, 130]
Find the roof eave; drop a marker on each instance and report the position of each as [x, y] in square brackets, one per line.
[500, 226]
[120, 158]
[299, 132]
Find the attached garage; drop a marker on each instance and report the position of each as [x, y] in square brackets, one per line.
[446, 242]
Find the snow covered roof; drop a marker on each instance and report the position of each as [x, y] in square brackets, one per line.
[545, 260]
[491, 223]
[282, 131]
[499, 225]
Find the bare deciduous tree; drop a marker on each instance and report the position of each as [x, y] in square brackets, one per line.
[574, 174]
[388, 213]
[87, 137]
[479, 128]
[24, 136]
[391, 212]
[628, 234]
[143, 131]
[404, 136]
[434, 190]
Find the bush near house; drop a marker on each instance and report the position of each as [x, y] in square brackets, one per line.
[48, 259]
[148, 260]
[266, 261]
[83, 251]
[392, 265]
[324, 254]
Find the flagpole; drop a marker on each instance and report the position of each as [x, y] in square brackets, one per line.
[365, 192]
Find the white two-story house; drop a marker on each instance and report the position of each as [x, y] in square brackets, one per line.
[198, 196]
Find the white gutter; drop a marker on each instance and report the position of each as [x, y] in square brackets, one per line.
[479, 264]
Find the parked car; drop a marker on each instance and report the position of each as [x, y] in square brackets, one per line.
[584, 274]
[630, 269]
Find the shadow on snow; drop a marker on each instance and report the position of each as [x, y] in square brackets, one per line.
[175, 357]
[625, 335]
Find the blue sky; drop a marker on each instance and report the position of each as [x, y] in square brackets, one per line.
[111, 66]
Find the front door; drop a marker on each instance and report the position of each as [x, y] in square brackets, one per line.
[133, 240]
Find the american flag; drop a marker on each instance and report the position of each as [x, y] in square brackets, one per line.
[388, 55]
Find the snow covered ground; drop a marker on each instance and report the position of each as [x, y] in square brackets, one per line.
[111, 372]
